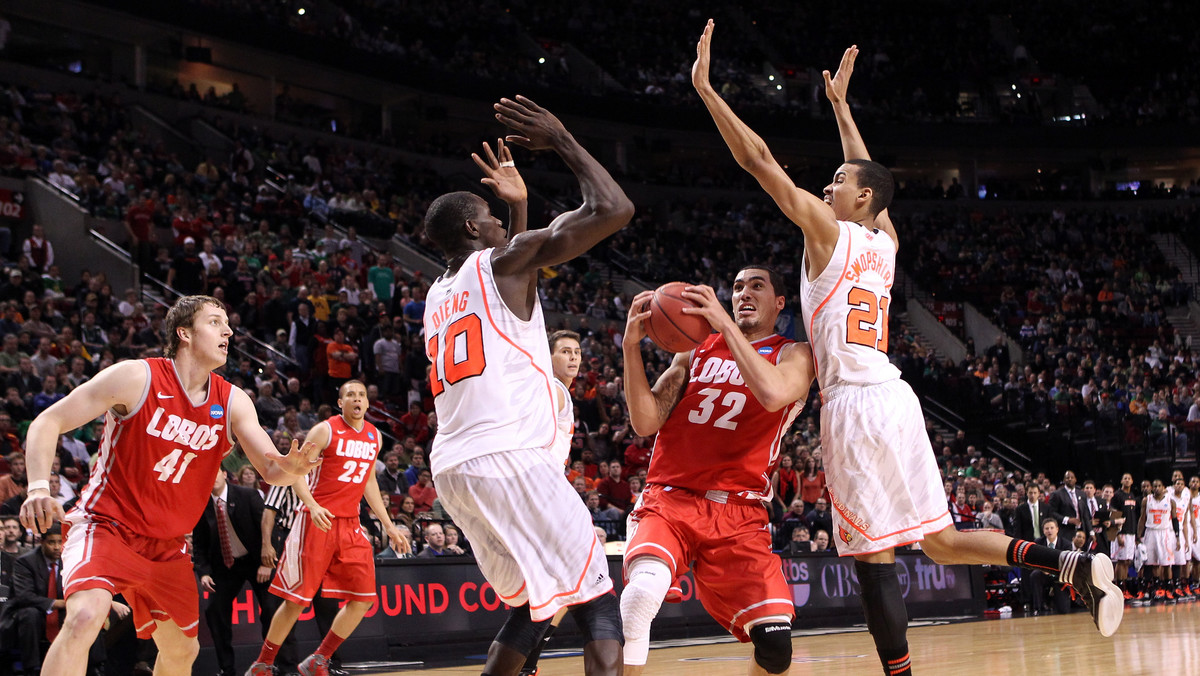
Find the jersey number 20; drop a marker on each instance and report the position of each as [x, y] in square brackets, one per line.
[866, 311]
[467, 330]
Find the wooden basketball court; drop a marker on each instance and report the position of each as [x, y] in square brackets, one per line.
[1153, 640]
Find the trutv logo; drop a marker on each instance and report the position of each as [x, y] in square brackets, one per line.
[831, 579]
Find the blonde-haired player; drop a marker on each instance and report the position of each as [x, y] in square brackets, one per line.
[883, 482]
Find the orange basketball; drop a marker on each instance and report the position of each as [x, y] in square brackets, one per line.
[668, 326]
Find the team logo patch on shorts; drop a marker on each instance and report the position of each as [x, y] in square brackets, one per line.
[845, 535]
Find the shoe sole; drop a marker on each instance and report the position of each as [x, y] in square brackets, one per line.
[1110, 608]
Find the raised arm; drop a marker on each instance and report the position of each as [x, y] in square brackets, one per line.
[773, 385]
[274, 468]
[808, 211]
[605, 207]
[649, 407]
[853, 146]
[120, 386]
[501, 175]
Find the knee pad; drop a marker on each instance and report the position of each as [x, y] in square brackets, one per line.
[772, 646]
[520, 632]
[883, 604]
[599, 619]
[649, 580]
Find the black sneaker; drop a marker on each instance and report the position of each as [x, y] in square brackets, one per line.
[1092, 577]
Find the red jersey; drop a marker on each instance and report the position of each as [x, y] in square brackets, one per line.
[719, 437]
[155, 470]
[339, 482]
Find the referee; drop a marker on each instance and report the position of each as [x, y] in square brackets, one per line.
[279, 516]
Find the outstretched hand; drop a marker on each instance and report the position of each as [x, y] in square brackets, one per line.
[835, 87]
[299, 461]
[701, 66]
[536, 128]
[500, 173]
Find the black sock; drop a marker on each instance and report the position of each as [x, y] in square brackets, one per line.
[532, 660]
[887, 618]
[1033, 556]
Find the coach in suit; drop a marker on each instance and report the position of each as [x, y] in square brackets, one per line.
[1040, 580]
[1028, 514]
[1069, 509]
[34, 613]
[228, 556]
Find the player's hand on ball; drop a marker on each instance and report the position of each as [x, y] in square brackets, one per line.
[709, 307]
[639, 309]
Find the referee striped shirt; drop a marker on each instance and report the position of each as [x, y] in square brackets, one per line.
[285, 502]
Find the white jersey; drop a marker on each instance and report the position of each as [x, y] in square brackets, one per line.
[1183, 502]
[1196, 509]
[491, 376]
[845, 308]
[566, 423]
[1158, 512]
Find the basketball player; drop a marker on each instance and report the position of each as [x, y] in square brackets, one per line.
[719, 412]
[1125, 545]
[565, 355]
[1194, 565]
[1156, 529]
[491, 380]
[883, 482]
[332, 553]
[1183, 550]
[168, 424]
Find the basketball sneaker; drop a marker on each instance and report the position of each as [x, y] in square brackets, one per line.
[314, 665]
[1127, 595]
[261, 669]
[1170, 596]
[1092, 577]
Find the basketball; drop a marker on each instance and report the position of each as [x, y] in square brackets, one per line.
[668, 326]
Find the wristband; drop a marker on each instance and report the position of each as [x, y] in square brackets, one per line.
[41, 484]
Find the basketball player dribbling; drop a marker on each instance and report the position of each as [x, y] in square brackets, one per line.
[168, 424]
[884, 484]
[332, 553]
[493, 458]
[720, 412]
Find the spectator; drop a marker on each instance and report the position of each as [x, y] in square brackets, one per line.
[822, 541]
[987, 518]
[414, 423]
[416, 463]
[607, 518]
[800, 542]
[407, 512]
[391, 480]
[435, 542]
[38, 251]
[812, 482]
[13, 483]
[387, 351]
[614, 491]
[819, 518]
[454, 542]
[423, 493]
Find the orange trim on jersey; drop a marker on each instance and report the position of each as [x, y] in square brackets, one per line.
[515, 595]
[487, 307]
[578, 583]
[888, 535]
[841, 277]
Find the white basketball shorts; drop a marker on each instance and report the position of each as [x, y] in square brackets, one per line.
[532, 536]
[883, 480]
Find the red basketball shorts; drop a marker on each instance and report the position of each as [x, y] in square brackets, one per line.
[339, 562]
[155, 576]
[728, 547]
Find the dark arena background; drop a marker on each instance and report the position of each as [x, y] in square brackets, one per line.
[282, 153]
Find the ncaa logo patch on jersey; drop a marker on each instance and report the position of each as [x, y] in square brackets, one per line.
[216, 412]
[371, 435]
[766, 350]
